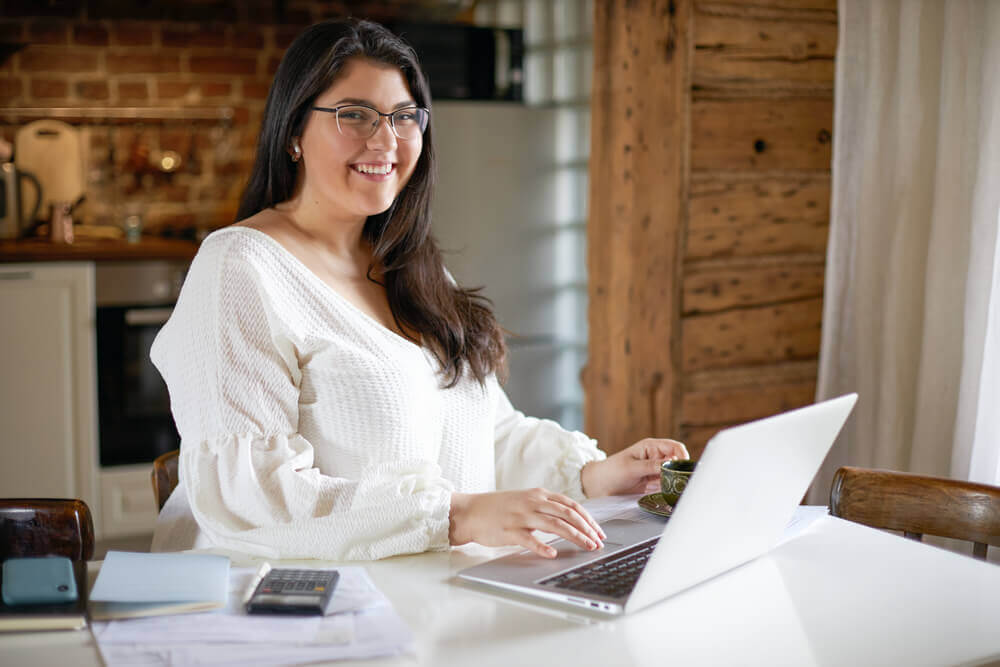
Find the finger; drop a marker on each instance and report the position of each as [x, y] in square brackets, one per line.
[575, 513]
[580, 511]
[663, 448]
[556, 526]
[532, 543]
[682, 452]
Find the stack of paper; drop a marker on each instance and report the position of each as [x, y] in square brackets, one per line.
[363, 625]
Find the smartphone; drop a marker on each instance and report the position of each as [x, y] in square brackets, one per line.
[294, 591]
[42, 580]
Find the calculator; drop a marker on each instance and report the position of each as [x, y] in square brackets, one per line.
[292, 591]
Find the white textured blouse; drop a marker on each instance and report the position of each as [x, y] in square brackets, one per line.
[310, 430]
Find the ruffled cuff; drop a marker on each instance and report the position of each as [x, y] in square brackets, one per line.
[581, 451]
[420, 481]
[438, 525]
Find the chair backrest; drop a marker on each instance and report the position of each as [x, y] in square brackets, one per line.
[46, 527]
[919, 505]
[165, 476]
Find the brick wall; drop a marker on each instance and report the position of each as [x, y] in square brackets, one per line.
[221, 54]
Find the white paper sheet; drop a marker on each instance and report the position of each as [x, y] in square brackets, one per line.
[363, 625]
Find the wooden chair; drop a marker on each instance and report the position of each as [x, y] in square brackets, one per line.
[165, 476]
[44, 527]
[919, 505]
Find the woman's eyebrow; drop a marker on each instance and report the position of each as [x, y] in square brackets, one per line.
[369, 103]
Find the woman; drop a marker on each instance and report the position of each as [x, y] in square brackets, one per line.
[335, 391]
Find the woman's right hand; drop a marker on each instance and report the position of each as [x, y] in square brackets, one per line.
[505, 518]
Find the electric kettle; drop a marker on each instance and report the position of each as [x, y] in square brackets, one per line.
[12, 220]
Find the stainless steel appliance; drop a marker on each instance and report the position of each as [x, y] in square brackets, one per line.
[12, 218]
[134, 299]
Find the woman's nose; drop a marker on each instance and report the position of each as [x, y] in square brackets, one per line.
[384, 138]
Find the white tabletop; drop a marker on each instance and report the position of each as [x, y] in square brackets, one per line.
[839, 594]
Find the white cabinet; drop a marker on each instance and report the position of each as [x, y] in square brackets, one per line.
[48, 399]
[48, 417]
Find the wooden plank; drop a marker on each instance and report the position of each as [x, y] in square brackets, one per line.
[742, 217]
[740, 53]
[802, 10]
[760, 134]
[640, 120]
[744, 376]
[714, 286]
[727, 400]
[745, 336]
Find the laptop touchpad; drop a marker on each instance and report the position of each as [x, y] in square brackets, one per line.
[567, 549]
[620, 532]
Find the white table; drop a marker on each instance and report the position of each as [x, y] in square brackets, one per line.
[839, 594]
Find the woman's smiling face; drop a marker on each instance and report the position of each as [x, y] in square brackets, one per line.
[355, 178]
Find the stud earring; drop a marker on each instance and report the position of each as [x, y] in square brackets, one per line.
[298, 153]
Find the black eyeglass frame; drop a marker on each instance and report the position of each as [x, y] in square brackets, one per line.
[392, 123]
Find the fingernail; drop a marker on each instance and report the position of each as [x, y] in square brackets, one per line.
[550, 552]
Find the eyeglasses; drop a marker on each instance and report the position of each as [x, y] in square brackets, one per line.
[360, 122]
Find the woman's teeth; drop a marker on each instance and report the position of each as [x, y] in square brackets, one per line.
[381, 169]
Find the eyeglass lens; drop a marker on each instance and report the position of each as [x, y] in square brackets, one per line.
[361, 122]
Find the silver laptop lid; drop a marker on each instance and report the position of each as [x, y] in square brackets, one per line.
[748, 483]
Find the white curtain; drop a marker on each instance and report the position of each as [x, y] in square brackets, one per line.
[911, 317]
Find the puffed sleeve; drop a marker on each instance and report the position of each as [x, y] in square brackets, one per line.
[532, 452]
[247, 473]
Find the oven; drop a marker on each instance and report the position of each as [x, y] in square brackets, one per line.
[133, 300]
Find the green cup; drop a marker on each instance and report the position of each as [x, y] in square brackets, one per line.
[674, 477]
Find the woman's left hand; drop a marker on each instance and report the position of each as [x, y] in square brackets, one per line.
[635, 469]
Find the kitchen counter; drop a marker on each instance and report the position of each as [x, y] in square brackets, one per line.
[43, 250]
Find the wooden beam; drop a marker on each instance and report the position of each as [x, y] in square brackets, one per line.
[759, 335]
[728, 396]
[756, 134]
[720, 285]
[747, 215]
[640, 129]
[806, 10]
[738, 52]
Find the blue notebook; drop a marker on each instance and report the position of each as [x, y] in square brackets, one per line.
[131, 585]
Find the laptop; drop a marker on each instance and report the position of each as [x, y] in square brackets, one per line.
[748, 483]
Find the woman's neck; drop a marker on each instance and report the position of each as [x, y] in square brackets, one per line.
[341, 238]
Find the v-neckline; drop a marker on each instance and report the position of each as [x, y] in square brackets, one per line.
[327, 287]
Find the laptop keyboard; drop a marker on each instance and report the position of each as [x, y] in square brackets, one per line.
[613, 576]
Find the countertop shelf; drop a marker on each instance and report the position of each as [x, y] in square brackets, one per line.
[42, 250]
[121, 115]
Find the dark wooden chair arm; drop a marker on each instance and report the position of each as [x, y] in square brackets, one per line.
[918, 505]
[165, 476]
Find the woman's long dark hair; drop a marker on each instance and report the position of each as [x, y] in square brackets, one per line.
[456, 324]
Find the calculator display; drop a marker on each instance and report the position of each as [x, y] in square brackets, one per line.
[291, 591]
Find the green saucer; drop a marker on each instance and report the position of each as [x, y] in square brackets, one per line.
[655, 503]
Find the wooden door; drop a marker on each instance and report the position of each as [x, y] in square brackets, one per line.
[709, 208]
